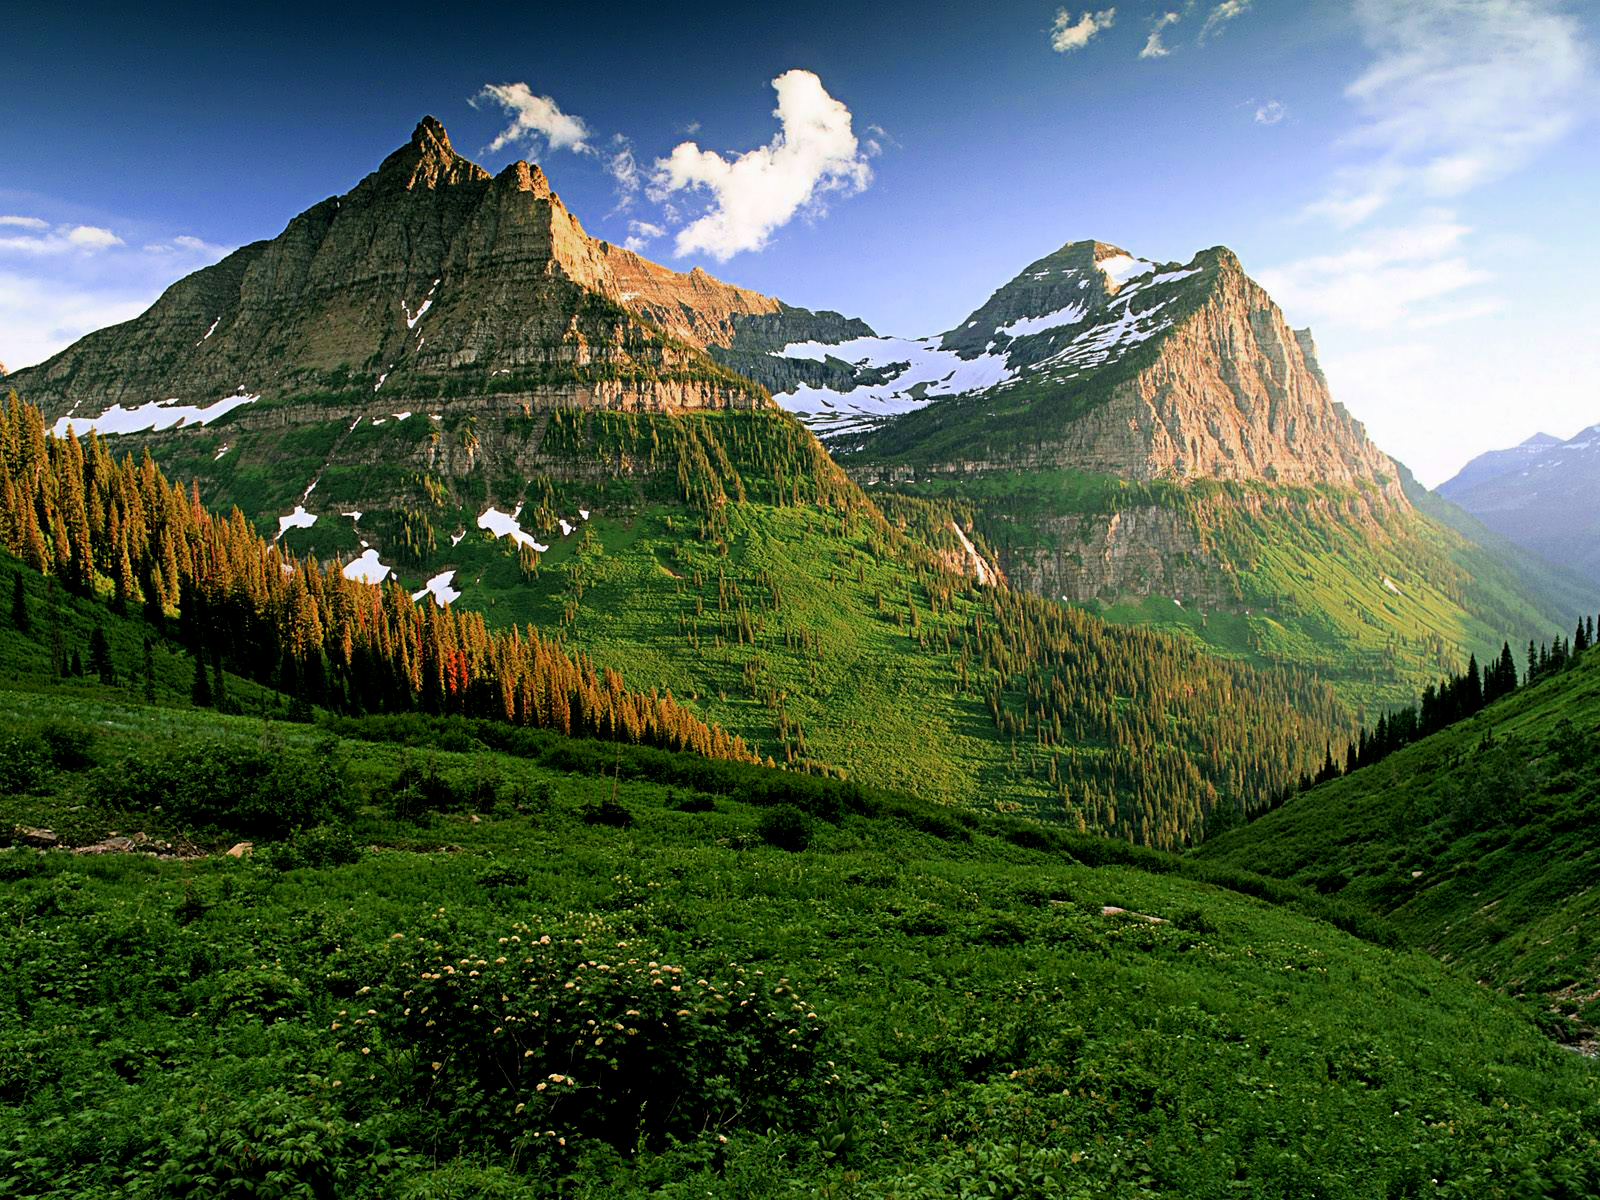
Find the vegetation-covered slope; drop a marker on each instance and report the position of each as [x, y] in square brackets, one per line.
[826, 638]
[1475, 843]
[1376, 599]
[599, 972]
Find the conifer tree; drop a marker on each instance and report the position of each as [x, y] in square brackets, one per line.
[200, 691]
[100, 657]
[149, 671]
[19, 604]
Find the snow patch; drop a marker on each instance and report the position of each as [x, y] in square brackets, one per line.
[152, 417]
[427, 303]
[1120, 268]
[367, 568]
[455, 538]
[298, 519]
[1024, 326]
[927, 371]
[1391, 586]
[381, 378]
[502, 525]
[400, 416]
[566, 529]
[583, 513]
[219, 454]
[354, 515]
[439, 588]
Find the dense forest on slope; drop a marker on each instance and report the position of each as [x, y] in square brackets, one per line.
[68, 509]
[815, 633]
[1474, 842]
[453, 970]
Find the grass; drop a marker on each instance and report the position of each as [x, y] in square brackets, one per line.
[982, 1027]
[1475, 843]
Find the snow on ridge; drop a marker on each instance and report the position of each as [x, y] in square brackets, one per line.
[354, 515]
[1024, 326]
[505, 525]
[439, 588]
[367, 568]
[298, 519]
[931, 371]
[152, 417]
[1119, 268]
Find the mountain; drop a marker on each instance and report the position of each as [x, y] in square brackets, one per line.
[1095, 360]
[1542, 495]
[1155, 442]
[438, 380]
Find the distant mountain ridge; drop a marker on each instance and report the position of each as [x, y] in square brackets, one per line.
[1543, 495]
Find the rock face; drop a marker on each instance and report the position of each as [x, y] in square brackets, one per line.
[429, 278]
[1093, 360]
[1542, 495]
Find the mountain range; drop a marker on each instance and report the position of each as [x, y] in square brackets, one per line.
[439, 378]
[1541, 495]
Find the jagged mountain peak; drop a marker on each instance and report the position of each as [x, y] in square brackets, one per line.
[428, 161]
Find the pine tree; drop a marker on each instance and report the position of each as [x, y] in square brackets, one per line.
[100, 657]
[200, 692]
[149, 671]
[19, 604]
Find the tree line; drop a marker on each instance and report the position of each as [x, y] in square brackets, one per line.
[120, 529]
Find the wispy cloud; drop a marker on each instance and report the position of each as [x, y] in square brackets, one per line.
[1459, 92]
[1067, 34]
[42, 238]
[59, 281]
[1219, 17]
[1388, 279]
[1154, 47]
[536, 121]
[641, 234]
[815, 152]
[1270, 112]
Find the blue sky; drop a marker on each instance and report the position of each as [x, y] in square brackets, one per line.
[1415, 179]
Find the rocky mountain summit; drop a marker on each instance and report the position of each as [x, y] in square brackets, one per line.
[429, 279]
[1543, 495]
[1093, 359]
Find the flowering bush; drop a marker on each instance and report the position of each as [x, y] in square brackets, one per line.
[572, 1033]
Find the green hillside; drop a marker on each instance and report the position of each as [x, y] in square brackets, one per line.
[741, 585]
[916, 1004]
[1374, 599]
[1475, 844]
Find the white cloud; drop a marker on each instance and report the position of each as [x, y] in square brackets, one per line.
[1153, 46]
[1459, 92]
[814, 152]
[70, 279]
[1271, 112]
[63, 239]
[535, 120]
[641, 234]
[1381, 280]
[1219, 16]
[1067, 34]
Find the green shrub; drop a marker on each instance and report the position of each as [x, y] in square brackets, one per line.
[320, 846]
[785, 827]
[24, 761]
[547, 1036]
[607, 812]
[259, 791]
[68, 744]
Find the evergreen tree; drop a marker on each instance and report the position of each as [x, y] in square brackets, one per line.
[219, 692]
[200, 692]
[19, 604]
[149, 671]
[77, 665]
[100, 657]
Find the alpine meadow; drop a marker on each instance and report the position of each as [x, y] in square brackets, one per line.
[485, 713]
